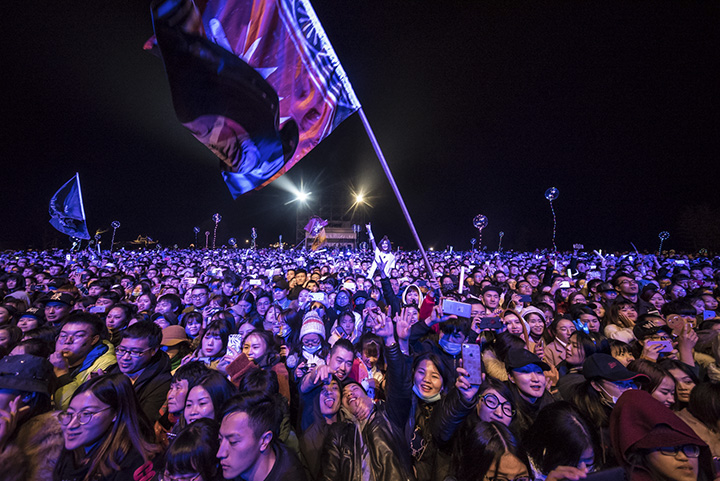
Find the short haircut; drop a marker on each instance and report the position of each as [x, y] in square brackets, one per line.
[191, 372]
[201, 286]
[93, 321]
[144, 330]
[263, 411]
[342, 344]
[173, 299]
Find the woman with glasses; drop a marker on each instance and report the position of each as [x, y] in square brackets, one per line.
[652, 443]
[495, 402]
[106, 435]
[192, 456]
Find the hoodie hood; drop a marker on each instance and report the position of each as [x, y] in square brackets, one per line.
[640, 422]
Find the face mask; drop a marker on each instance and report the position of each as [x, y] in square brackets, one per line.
[613, 399]
[452, 348]
[311, 350]
[430, 399]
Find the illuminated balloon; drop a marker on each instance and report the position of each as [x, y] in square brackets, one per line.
[196, 230]
[501, 233]
[217, 218]
[115, 224]
[480, 221]
[233, 242]
[664, 235]
[473, 241]
[552, 193]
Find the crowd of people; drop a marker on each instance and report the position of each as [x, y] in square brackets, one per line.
[268, 364]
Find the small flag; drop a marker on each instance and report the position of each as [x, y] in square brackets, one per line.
[256, 81]
[67, 213]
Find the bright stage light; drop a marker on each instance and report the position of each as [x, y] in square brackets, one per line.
[359, 198]
[302, 196]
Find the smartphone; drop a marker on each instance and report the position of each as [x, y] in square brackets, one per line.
[577, 247]
[494, 323]
[317, 297]
[614, 474]
[564, 285]
[96, 309]
[709, 315]
[666, 345]
[191, 281]
[255, 282]
[235, 342]
[525, 299]
[472, 362]
[456, 308]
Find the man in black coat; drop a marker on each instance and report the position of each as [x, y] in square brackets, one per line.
[140, 358]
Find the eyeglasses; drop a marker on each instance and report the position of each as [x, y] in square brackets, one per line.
[120, 352]
[179, 477]
[689, 450]
[83, 417]
[492, 402]
[198, 296]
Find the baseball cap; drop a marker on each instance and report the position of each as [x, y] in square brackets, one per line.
[606, 367]
[517, 358]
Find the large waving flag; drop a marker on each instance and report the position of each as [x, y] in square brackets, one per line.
[67, 213]
[256, 81]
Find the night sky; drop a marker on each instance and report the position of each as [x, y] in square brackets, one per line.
[478, 106]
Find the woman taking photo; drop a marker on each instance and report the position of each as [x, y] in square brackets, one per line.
[106, 435]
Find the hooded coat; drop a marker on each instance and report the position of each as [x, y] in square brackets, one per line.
[639, 423]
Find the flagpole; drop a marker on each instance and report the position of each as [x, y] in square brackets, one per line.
[395, 189]
[82, 204]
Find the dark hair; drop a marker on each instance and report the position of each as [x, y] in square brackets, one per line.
[264, 412]
[194, 450]
[453, 325]
[439, 365]
[151, 296]
[93, 321]
[654, 371]
[485, 444]
[144, 330]
[505, 341]
[272, 352]
[15, 335]
[191, 372]
[46, 334]
[705, 403]
[680, 307]
[128, 309]
[36, 347]
[219, 389]
[173, 299]
[591, 343]
[131, 429]
[558, 437]
[342, 344]
[262, 380]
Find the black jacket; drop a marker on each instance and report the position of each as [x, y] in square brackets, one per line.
[287, 465]
[153, 385]
[382, 434]
[443, 419]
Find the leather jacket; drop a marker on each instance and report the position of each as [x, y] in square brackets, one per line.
[382, 434]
